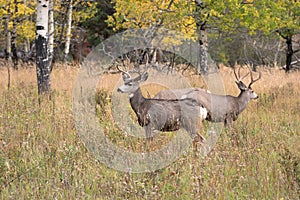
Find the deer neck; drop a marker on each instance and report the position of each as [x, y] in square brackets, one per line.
[136, 100]
[243, 99]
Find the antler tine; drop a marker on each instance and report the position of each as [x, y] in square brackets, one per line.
[122, 71]
[146, 58]
[136, 69]
[147, 61]
[244, 76]
[238, 76]
[251, 76]
[254, 80]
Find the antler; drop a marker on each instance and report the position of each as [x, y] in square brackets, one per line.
[137, 69]
[123, 71]
[254, 80]
[238, 76]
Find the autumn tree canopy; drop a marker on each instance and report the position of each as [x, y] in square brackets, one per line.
[279, 18]
[176, 15]
[20, 15]
[268, 16]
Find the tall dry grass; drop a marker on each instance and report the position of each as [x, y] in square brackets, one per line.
[41, 156]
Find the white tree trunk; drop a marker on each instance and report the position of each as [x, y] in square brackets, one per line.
[8, 45]
[51, 33]
[7, 35]
[14, 38]
[202, 38]
[42, 67]
[69, 28]
[42, 18]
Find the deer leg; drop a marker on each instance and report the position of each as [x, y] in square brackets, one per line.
[190, 123]
[149, 137]
[196, 137]
[228, 122]
[198, 140]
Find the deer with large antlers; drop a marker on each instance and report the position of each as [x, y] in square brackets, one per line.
[162, 114]
[220, 108]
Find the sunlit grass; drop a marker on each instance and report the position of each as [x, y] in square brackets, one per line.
[41, 157]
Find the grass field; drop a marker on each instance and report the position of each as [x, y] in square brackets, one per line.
[41, 156]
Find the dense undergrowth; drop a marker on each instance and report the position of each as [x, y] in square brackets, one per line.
[41, 157]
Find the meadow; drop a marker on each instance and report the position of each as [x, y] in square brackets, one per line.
[42, 157]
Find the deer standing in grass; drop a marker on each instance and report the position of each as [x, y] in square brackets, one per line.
[220, 108]
[162, 114]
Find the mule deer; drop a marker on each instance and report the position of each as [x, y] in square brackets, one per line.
[162, 114]
[220, 108]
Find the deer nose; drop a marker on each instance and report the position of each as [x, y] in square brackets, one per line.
[119, 90]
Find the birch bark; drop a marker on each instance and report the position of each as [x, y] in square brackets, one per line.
[51, 34]
[69, 28]
[42, 67]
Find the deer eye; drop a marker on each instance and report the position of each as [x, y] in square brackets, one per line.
[129, 83]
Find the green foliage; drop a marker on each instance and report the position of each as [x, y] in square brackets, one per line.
[281, 15]
[25, 11]
[264, 15]
[82, 11]
[175, 15]
[98, 29]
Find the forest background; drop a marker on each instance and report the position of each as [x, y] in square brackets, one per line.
[262, 33]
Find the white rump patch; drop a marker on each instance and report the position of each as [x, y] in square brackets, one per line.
[203, 112]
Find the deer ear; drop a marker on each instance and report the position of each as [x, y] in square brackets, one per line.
[241, 85]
